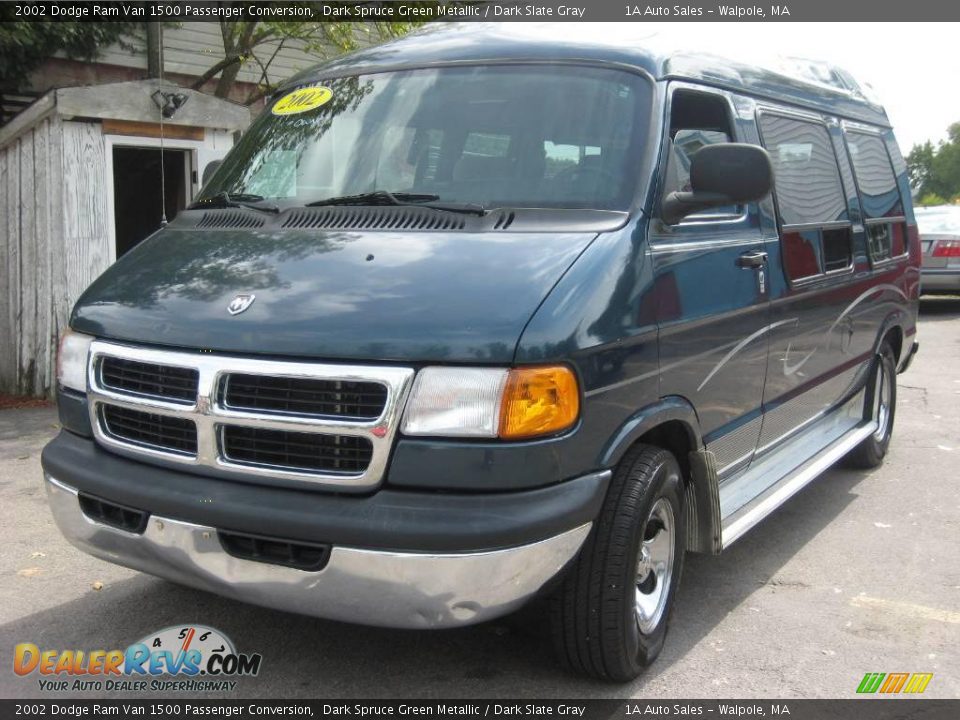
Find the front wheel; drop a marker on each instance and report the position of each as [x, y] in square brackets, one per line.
[609, 617]
[881, 398]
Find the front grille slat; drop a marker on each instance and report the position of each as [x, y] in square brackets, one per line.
[150, 430]
[166, 382]
[306, 452]
[314, 397]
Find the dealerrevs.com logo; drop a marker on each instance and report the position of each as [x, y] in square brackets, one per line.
[180, 658]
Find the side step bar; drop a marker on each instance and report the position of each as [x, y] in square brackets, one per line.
[740, 521]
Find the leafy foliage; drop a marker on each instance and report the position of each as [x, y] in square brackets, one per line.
[935, 171]
[25, 45]
[258, 43]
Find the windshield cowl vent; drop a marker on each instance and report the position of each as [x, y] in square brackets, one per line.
[374, 218]
[230, 219]
[504, 220]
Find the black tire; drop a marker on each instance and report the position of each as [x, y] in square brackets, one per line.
[870, 453]
[594, 614]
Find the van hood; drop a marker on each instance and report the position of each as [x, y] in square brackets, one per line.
[409, 296]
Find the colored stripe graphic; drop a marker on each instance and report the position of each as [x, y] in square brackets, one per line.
[918, 682]
[894, 682]
[870, 682]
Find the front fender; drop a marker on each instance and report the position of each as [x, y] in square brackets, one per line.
[667, 409]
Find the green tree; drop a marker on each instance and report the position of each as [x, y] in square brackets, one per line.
[919, 162]
[257, 44]
[935, 171]
[25, 45]
[930, 199]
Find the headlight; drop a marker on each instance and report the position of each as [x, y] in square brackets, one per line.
[457, 402]
[72, 360]
[492, 402]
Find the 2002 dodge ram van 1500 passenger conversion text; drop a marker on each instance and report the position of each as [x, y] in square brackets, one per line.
[477, 318]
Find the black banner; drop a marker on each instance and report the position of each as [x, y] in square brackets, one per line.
[486, 11]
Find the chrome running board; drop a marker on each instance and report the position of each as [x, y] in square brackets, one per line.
[737, 521]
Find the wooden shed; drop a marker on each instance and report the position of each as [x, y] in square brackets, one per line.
[80, 185]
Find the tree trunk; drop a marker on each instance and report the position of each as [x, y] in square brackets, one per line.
[154, 49]
[234, 44]
[227, 77]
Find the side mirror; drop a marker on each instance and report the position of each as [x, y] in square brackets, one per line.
[723, 174]
[209, 170]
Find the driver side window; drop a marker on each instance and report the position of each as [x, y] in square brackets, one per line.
[696, 120]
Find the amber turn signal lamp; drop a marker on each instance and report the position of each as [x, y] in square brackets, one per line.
[538, 401]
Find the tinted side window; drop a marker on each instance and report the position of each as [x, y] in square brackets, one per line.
[879, 196]
[878, 186]
[807, 176]
[815, 232]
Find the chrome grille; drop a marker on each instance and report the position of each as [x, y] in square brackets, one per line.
[149, 379]
[305, 396]
[322, 424]
[159, 432]
[302, 451]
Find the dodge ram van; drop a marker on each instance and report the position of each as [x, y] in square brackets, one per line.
[477, 318]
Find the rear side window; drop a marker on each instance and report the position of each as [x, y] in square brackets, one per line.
[879, 196]
[815, 228]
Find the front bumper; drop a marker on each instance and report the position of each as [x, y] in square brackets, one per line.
[397, 558]
[372, 587]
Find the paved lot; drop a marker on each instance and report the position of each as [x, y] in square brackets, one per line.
[860, 572]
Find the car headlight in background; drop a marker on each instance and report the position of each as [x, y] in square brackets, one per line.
[511, 404]
[72, 360]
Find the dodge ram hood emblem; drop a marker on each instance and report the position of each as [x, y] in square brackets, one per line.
[240, 303]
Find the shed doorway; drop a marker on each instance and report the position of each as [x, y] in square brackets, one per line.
[136, 191]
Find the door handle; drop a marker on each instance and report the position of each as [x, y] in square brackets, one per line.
[753, 259]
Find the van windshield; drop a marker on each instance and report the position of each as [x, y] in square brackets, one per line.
[495, 136]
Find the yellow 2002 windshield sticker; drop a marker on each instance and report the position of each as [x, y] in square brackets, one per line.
[302, 100]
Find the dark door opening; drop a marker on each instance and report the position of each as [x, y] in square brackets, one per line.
[136, 191]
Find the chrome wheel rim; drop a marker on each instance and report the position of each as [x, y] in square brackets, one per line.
[881, 402]
[655, 566]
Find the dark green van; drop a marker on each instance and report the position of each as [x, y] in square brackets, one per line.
[478, 319]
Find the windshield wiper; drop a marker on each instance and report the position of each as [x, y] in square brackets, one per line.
[384, 197]
[233, 200]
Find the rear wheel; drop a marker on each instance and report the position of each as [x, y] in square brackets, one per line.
[609, 618]
[882, 400]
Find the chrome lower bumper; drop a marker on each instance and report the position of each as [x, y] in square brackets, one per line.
[371, 587]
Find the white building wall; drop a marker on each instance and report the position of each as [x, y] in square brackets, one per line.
[32, 292]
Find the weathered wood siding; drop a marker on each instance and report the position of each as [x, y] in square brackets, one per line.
[54, 239]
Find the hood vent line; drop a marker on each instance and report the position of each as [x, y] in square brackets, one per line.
[380, 218]
[504, 220]
[230, 219]
[404, 218]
